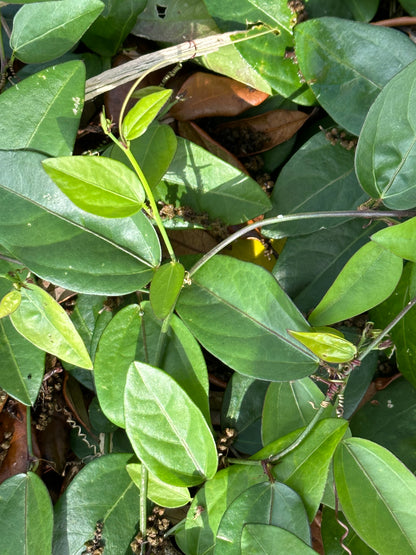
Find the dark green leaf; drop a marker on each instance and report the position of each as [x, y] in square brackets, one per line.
[202, 181]
[358, 287]
[112, 499]
[409, 6]
[143, 113]
[112, 26]
[47, 121]
[26, 517]
[45, 31]
[332, 532]
[246, 331]
[101, 186]
[363, 10]
[346, 82]
[43, 321]
[264, 539]
[165, 288]
[167, 430]
[265, 503]
[378, 495]
[385, 160]
[41, 227]
[319, 176]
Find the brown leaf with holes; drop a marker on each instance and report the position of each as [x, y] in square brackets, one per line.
[207, 95]
[248, 136]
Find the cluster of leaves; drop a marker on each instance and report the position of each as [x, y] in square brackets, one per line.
[91, 224]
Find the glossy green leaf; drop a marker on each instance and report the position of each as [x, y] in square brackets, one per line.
[242, 409]
[101, 186]
[205, 183]
[112, 499]
[164, 495]
[47, 121]
[116, 351]
[378, 495]
[346, 82]
[45, 31]
[358, 287]
[9, 303]
[79, 251]
[403, 332]
[319, 176]
[305, 469]
[332, 532]
[385, 161]
[43, 321]
[265, 503]
[308, 265]
[327, 346]
[157, 143]
[112, 26]
[399, 239]
[26, 517]
[209, 504]
[264, 539]
[143, 113]
[390, 420]
[165, 288]
[246, 331]
[289, 406]
[167, 430]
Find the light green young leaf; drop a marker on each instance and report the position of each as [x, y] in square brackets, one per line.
[167, 430]
[143, 113]
[368, 278]
[43, 322]
[101, 186]
[43, 32]
[9, 303]
[26, 516]
[255, 325]
[262, 539]
[327, 346]
[399, 239]
[48, 121]
[102, 491]
[164, 495]
[378, 496]
[346, 83]
[165, 288]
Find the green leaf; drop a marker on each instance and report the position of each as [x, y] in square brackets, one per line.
[246, 331]
[116, 351]
[205, 183]
[263, 538]
[43, 321]
[399, 239]
[289, 406]
[112, 26]
[327, 346]
[403, 332]
[265, 503]
[363, 10]
[78, 251]
[112, 499]
[101, 186]
[45, 31]
[319, 176]
[26, 517]
[358, 287]
[409, 6]
[167, 430]
[210, 503]
[143, 113]
[390, 420]
[9, 303]
[378, 495]
[164, 495]
[346, 83]
[385, 161]
[165, 288]
[157, 143]
[47, 121]
[332, 534]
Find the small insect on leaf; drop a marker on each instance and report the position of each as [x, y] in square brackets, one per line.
[329, 346]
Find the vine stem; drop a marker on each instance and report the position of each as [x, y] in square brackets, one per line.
[368, 214]
[144, 481]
